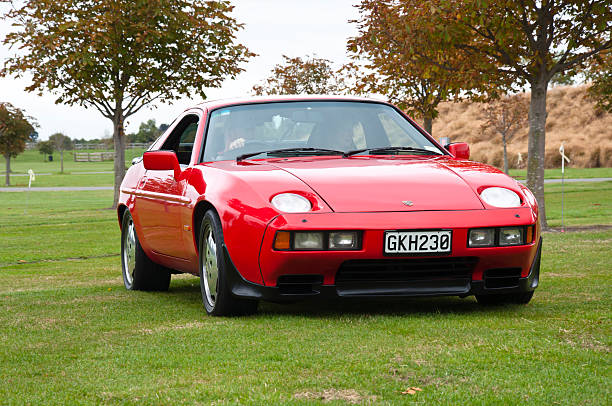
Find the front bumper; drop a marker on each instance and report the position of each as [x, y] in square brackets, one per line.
[295, 275]
[308, 289]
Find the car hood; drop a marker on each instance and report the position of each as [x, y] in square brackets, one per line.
[370, 184]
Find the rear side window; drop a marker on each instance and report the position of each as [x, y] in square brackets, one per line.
[182, 138]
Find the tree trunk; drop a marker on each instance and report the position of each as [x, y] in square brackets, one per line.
[61, 161]
[428, 124]
[505, 154]
[7, 157]
[119, 144]
[537, 145]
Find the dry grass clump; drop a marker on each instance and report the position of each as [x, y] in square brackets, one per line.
[572, 119]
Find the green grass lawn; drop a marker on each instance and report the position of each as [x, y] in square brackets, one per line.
[577, 173]
[71, 333]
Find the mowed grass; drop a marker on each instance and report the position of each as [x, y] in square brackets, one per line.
[71, 333]
[585, 203]
[570, 173]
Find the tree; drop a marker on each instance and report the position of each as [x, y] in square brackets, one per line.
[121, 55]
[147, 132]
[46, 148]
[528, 40]
[15, 130]
[404, 64]
[505, 116]
[310, 75]
[61, 143]
[600, 75]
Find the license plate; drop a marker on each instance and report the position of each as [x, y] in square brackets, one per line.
[418, 242]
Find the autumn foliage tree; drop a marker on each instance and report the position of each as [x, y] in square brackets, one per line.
[402, 61]
[308, 75]
[505, 116]
[527, 41]
[599, 73]
[119, 56]
[15, 130]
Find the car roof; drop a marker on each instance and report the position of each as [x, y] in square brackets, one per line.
[213, 104]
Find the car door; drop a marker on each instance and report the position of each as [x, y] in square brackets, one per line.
[160, 199]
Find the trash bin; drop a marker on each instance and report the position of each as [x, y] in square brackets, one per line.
[50, 158]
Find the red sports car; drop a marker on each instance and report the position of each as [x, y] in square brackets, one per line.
[287, 198]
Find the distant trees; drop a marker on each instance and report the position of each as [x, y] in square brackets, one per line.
[505, 116]
[61, 143]
[310, 75]
[513, 43]
[15, 130]
[120, 56]
[46, 148]
[147, 132]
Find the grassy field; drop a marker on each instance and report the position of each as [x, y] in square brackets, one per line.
[71, 334]
[577, 173]
[75, 173]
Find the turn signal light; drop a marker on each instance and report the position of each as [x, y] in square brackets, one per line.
[282, 241]
[529, 238]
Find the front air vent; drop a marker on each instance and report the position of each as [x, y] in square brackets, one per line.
[502, 278]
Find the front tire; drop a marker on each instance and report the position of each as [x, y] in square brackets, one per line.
[214, 285]
[506, 298]
[139, 272]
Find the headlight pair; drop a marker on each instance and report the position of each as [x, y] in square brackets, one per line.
[317, 240]
[500, 237]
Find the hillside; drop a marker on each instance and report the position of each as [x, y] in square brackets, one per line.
[586, 133]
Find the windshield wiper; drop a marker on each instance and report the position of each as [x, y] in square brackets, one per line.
[290, 151]
[383, 150]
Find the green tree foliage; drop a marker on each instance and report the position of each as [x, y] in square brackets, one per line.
[15, 130]
[61, 143]
[46, 148]
[400, 59]
[121, 55]
[310, 75]
[147, 132]
[526, 41]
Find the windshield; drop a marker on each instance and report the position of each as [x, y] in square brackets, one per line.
[339, 126]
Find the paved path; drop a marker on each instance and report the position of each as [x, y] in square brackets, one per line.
[80, 188]
[71, 173]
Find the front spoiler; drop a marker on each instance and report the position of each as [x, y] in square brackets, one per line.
[244, 289]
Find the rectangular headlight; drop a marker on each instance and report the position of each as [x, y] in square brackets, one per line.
[308, 240]
[511, 236]
[481, 237]
[343, 240]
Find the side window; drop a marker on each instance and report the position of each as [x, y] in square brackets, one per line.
[182, 138]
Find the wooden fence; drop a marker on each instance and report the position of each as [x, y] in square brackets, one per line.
[93, 156]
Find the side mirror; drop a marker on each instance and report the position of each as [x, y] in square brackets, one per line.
[162, 161]
[459, 150]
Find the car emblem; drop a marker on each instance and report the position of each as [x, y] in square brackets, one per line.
[407, 202]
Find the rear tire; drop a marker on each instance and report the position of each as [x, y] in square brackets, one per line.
[216, 292]
[139, 272]
[506, 298]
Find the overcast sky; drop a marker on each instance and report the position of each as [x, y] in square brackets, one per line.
[272, 28]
